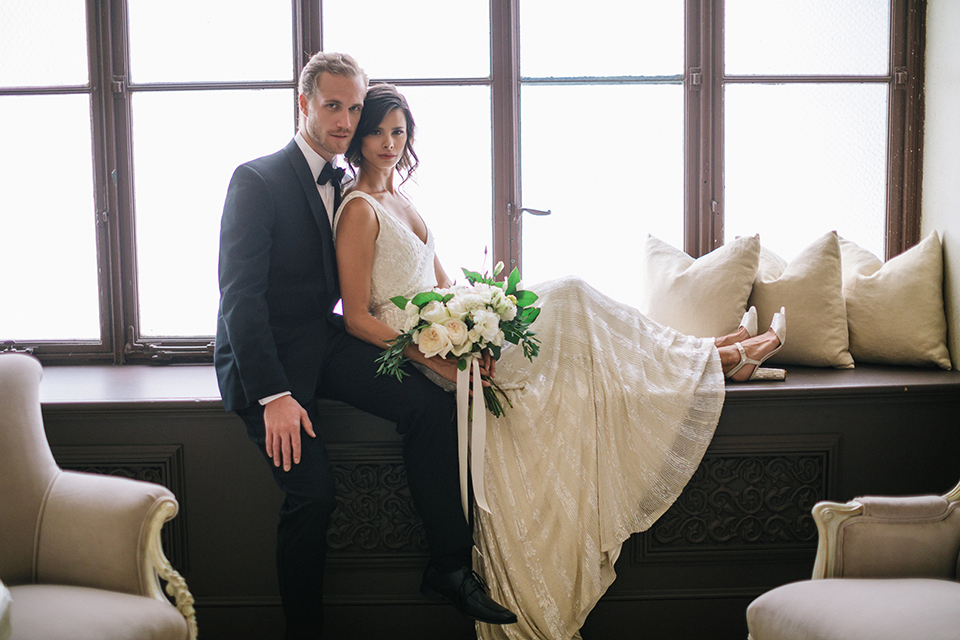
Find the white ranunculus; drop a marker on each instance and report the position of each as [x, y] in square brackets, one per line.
[486, 323]
[434, 312]
[457, 330]
[433, 341]
[470, 301]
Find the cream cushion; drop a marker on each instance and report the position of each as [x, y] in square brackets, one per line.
[895, 309]
[43, 612]
[810, 287]
[702, 297]
[856, 609]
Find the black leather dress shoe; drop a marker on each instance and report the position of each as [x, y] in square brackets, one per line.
[466, 591]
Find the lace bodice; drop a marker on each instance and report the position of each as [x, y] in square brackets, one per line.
[403, 265]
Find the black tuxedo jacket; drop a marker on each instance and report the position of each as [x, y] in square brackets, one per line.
[278, 282]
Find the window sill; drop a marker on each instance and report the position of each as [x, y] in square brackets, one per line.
[176, 387]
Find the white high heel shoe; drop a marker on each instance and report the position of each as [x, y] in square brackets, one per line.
[779, 326]
[749, 322]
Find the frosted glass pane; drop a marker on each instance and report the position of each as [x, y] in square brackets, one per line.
[608, 184]
[452, 186]
[813, 37]
[563, 38]
[43, 43]
[198, 40]
[802, 160]
[48, 259]
[182, 167]
[415, 39]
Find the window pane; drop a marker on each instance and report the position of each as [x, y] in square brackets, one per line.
[802, 160]
[182, 169]
[43, 43]
[813, 37]
[415, 39]
[48, 260]
[452, 186]
[609, 182]
[608, 38]
[188, 41]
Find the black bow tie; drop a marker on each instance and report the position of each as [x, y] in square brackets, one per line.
[329, 173]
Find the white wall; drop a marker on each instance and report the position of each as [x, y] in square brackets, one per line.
[941, 151]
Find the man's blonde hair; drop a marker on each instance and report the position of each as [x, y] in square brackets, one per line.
[338, 64]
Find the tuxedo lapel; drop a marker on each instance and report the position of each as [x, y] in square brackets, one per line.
[302, 169]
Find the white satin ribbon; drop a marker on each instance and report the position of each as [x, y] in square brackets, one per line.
[471, 437]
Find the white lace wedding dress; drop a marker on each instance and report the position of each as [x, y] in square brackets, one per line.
[607, 426]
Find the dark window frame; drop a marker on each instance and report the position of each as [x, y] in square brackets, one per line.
[110, 93]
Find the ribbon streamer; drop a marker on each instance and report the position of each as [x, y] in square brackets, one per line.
[471, 437]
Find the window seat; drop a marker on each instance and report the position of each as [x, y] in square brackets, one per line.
[741, 527]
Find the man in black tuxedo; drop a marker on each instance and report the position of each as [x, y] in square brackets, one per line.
[280, 347]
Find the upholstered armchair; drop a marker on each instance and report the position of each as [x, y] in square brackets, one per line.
[80, 553]
[886, 568]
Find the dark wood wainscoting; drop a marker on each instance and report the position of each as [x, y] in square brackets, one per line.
[741, 527]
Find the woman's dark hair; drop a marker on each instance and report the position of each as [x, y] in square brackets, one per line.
[381, 99]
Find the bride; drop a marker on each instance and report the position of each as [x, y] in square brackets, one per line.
[607, 424]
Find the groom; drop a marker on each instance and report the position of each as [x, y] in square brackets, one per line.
[280, 347]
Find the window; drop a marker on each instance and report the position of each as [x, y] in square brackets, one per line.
[693, 120]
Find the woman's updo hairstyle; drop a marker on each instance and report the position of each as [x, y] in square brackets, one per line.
[381, 99]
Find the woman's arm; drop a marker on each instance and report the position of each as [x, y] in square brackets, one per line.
[357, 231]
[443, 280]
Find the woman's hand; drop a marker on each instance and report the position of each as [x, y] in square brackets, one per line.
[447, 367]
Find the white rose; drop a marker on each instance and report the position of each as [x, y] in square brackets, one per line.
[456, 309]
[433, 341]
[466, 347]
[457, 330]
[508, 312]
[434, 312]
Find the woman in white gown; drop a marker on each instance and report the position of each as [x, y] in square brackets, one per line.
[607, 424]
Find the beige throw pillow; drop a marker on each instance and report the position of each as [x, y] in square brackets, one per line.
[895, 310]
[703, 297]
[811, 289]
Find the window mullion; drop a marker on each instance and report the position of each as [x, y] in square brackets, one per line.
[905, 135]
[505, 96]
[702, 127]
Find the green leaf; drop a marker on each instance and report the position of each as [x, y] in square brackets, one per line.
[530, 314]
[427, 296]
[472, 276]
[495, 350]
[400, 301]
[513, 281]
[462, 364]
[526, 298]
[447, 298]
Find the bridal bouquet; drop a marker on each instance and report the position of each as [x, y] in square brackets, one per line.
[464, 320]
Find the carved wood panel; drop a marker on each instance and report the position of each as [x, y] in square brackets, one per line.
[745, 496]
[375, 516]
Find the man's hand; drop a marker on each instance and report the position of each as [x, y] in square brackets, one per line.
[282, 418]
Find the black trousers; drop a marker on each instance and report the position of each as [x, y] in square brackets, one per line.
[426, 419]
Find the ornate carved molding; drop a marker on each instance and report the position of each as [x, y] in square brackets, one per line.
[375, 515]
[160, 464]
[746, 497]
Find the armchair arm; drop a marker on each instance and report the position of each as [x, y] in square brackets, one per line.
[875, 537]
[104, 532]
[4, 612]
